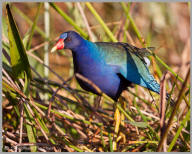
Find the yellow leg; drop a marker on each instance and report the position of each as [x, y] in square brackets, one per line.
[123, 105]
[117, 119]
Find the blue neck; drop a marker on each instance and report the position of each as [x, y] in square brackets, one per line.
[87, 57]
[88, 49]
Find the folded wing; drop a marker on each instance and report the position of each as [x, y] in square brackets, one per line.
[130, 62]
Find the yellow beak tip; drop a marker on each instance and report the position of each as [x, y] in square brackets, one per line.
[53, 49]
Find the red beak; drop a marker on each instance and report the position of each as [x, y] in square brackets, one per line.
[59, 45]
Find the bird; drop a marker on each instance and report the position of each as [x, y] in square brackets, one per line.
[112, 66]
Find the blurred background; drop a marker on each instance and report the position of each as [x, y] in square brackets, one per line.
[165, 26]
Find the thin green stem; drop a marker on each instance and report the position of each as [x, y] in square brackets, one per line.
[33, 27]
[110, 143]
[67, 116]
[69, 20]
[178, 102]
[126, 9]
[168, 68]
[100, 20]
[187, 117]
[145, 120]
[141, 40]
[41, 32]
[124, 112]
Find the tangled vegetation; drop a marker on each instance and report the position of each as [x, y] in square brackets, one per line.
[44, 108]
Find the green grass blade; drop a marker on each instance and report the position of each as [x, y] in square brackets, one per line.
[72, 146]
[68, 19]
[110, 143]
[19, 60]
[30, 130]
[138, 124]
[145, 120]
[41, 121]
[124, 112]
[126, 9]
[26, 18]
[4, 27]
[107, 30]
[168, 68]
[102, 140]
[187, 117]
[67, 116]
[33, 27]
[6, 87]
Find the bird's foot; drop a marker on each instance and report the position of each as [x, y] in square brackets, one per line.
[119, 120]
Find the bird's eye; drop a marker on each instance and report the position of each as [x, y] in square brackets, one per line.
[68, 39]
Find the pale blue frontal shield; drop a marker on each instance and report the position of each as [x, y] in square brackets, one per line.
[63, 36]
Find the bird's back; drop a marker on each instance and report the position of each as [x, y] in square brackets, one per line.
[128, 61]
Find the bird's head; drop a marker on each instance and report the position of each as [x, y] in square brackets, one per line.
[68, 40]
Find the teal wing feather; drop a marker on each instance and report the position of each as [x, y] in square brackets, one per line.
[128, 61]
